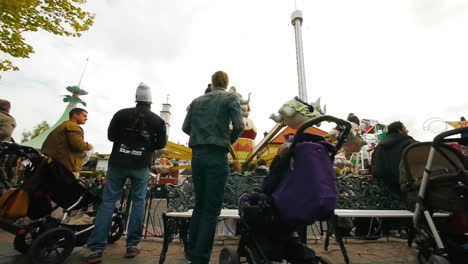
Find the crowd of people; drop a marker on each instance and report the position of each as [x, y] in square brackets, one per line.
[213, 122]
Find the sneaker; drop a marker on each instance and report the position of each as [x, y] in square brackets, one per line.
[94, 257]
[132, 252]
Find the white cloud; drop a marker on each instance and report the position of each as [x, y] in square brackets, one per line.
[398, 60]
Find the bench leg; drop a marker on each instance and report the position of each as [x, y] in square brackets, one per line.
[411, 235]
[342, 247]
[167, 238]
[327, 236]
[333, 228]
[183, 233]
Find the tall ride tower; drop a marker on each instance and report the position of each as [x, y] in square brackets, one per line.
[296, 20]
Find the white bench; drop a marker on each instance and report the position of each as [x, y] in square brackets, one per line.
[357, 213]
[380, 213]
[225, 214]
[234, 213]
[185, 219]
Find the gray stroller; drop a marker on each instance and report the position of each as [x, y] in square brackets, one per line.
[435, 177]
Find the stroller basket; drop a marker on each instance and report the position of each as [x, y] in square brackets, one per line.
[446, 171]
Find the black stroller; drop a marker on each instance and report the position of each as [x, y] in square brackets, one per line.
[43, 238]
[299, 191]
[435, 176]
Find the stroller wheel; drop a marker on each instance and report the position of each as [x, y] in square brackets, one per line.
[52, 247]
[117, 229]
[229, 255]
[325, 260]
[23, 242]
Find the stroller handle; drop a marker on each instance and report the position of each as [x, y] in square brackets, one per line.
[16, 146]
[442, 137]
[330, 119]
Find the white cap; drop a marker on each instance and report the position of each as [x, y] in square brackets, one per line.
[143, 93]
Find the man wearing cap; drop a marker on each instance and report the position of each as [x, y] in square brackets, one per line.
[7, 122]
[136, 133]
[207, 124]
[66, 142]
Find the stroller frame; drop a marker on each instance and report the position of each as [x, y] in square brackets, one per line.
[49, 234]
[420, 209]
[249, 245]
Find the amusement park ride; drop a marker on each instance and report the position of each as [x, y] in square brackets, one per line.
[290, 116]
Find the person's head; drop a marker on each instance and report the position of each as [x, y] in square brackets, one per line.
[220, 79]
[208, 88]
[397, 127]
[235, 166]
[5, 105]
[353, 118]
[261, 162]
[143, 94]
[462, 118]
[78, 115]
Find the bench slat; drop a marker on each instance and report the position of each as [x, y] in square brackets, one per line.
[380, 213]
[234, 214]
[225, 213]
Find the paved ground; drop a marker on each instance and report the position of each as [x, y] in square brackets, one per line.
[360, 252]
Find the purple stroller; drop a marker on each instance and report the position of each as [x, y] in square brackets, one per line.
[299, 190]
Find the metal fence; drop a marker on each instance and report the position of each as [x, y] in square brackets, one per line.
[354, 192]
[157, 203]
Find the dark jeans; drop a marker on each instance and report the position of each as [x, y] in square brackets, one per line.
[209, 172]
[115, 182]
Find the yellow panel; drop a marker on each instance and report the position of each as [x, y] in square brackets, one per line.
[182, 167]
[177, 156]
[178, 148]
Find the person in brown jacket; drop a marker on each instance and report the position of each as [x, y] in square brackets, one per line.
[66, 142]
[7, 122]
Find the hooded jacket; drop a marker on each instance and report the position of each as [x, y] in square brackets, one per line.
[7, 125]
[386, 159]
[137, 133]
[66, 144]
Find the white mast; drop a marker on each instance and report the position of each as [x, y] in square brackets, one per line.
[165, 114]
[296, 20]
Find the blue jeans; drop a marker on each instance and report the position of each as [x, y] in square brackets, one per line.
[209, 172]
[115, 181]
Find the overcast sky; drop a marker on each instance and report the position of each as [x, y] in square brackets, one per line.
[392, 60]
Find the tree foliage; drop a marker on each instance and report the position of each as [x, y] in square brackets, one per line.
[37, 130]
[59, 17]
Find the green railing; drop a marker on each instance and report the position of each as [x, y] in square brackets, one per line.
[354, 193]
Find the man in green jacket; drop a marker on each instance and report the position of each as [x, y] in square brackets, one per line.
[207, 123]
[66, 142]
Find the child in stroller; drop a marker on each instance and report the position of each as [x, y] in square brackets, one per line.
[434, 175]
[299, 190]
[43, 238]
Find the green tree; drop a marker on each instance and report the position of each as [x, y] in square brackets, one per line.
[37, 130]
[59, 17]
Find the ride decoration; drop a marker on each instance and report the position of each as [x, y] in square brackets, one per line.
[245, 144]
[74, 98]
[295, 112]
